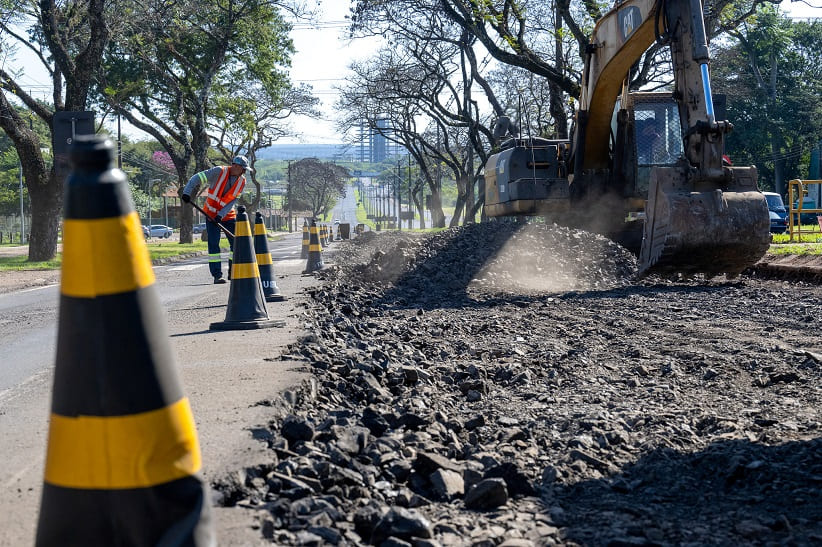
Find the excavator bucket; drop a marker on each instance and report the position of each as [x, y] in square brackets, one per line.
[704, 228]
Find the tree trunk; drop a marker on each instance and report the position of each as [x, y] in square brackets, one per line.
[557, 105]
[455, 220]
[470, 197]
[185, 218]
[437, 216]
[46, 212]
[419, 204]
[45, 190]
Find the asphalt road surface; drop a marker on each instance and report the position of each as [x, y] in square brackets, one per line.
[224, 375]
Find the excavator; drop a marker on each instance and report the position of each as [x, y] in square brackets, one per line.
[644, 169]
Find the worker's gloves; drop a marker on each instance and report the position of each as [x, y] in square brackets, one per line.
[218, 219]
[186, 198]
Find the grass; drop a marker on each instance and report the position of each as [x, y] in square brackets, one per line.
[801, 249]
[20, 263]
[155, 250]
[808, 243]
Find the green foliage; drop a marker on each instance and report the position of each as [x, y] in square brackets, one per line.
[772, 76]
[9, 181]
[316, 185]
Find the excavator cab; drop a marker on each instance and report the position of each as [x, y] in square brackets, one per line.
[657, 135]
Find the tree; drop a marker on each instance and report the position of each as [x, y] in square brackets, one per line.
[166, 73]
[772, 75]
[316, 185]
[253, 121]
[420, 86]
[69, 39]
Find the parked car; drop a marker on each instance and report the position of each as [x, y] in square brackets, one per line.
[779, 225]
[160, 230]
[775, 204]
[199, 228]
[336, 221]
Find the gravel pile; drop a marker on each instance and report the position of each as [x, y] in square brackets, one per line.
[456, 402]
[488, 258]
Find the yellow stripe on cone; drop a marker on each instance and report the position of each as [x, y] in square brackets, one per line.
[111, 452]
[93, 266]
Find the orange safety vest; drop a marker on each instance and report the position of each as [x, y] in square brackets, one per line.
[217, 196]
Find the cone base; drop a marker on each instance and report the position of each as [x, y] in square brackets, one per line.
[247, 325]
[275, 298]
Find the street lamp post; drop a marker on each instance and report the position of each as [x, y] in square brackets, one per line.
[150, 189]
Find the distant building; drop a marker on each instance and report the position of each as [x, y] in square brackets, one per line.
[326, 152]
[375, 145]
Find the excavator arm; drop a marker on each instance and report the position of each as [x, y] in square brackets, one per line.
[700, 216]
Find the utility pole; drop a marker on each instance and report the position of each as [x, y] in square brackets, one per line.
[410, 199]
[288, 192]
[120, 146]
[150, 190]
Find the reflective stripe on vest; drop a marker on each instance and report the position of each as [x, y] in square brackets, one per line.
[217, 197]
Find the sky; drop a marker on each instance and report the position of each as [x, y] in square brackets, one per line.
[323, 53]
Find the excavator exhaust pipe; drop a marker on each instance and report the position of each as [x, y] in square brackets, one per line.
[709, 228]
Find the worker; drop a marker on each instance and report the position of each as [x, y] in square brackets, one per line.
[225, 184]
[650, 145]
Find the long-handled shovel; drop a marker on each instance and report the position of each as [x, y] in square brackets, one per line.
[209, 219]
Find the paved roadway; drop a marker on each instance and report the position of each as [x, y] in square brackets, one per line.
[224, 375]
[346, 209]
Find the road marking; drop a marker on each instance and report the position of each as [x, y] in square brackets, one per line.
[36, 288]
[186, 268]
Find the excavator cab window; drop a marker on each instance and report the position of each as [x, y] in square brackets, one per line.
[658, 137]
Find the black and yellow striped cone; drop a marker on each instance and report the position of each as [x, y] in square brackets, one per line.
[323, 242]
[246, 303]
[270, 289]
[123, 459]
[315, 251]
[306, 242]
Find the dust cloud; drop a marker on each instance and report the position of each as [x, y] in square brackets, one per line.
[541, 258]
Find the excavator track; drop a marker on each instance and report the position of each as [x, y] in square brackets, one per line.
[713, 231]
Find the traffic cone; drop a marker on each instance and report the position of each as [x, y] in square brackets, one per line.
[306, 241]
[329, 235]
[323, 241]
[123, 459]
[270, 289]
[246, 303]
[315, 254]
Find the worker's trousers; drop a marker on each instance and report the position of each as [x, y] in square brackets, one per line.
[214, 263]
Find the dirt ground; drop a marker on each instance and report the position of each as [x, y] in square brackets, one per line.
[493, 385]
